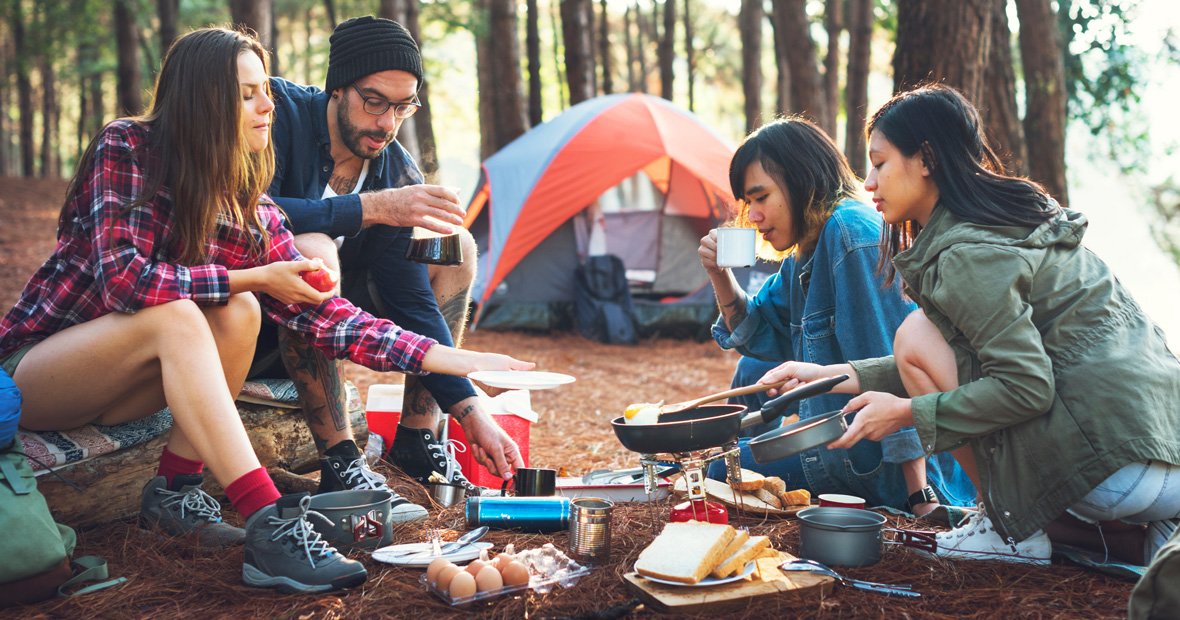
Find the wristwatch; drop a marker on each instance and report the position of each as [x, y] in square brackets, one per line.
[923, 495]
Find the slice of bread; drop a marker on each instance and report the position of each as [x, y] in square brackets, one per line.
[685, 552]
[775, 485]
[740, 537]
[798, 497]
[751, 481]
[737, 561]
[770, 497]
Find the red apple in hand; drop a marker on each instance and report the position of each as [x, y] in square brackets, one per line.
[321, 278]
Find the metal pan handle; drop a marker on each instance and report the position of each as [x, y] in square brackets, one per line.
[777, 406]
[922, 540]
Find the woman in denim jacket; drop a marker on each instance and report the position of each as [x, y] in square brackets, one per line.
[826, 305]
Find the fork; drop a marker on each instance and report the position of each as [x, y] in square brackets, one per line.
[812, 566]
[433, 538]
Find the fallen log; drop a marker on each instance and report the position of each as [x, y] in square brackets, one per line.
[113, 482]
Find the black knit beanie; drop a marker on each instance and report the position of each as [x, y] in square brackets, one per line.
[365, 45]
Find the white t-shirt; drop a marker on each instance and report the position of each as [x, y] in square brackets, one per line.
[331, 193]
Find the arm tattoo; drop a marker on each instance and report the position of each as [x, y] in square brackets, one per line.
[454, 312]
[468, 410]
[734, 312]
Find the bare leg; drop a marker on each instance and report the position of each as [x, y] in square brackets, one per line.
[927, 366]
[319, 380]
[176, 354]
[452, 289]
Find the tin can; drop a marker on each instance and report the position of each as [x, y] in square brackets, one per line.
[531, 514]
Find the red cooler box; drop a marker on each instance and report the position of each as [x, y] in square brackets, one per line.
[516, 427]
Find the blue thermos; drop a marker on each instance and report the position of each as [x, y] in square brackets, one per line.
[531, 514]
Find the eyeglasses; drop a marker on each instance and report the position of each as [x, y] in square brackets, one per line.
[378, 106]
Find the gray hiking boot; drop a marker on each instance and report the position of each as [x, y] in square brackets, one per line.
[343, 468]
[285, 552]
[183, 509]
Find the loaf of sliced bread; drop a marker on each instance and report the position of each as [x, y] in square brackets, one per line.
[685, 552]
[737, 561]
[769, 497]
[751, 480]
[740, 537]
[775, 485]
[798, 497]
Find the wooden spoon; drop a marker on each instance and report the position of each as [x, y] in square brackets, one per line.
[742, 391]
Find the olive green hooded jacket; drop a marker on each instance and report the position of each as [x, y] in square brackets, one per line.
[1063, 378]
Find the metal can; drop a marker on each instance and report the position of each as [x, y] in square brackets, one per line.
[531, 514]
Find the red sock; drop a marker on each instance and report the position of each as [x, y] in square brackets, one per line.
[252, 492]
[171, 465]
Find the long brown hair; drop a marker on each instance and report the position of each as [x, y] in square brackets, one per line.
[807, 165]
[196, 141]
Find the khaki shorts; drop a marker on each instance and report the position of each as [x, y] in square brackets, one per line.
[9, 362]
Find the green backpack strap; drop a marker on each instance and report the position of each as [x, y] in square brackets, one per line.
[93, 569]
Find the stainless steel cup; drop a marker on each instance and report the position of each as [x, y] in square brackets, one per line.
[447, 494]
[590, 530]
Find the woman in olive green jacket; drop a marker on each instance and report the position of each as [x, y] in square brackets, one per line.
[1027, 357]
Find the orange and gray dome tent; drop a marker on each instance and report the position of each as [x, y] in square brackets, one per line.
[536, 184]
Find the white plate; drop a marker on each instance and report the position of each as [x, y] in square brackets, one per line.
[709, 581]
[385, 554]
[520, 379]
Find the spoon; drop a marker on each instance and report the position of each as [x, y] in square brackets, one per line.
[461, 542]
[811, 566]
[742, 391]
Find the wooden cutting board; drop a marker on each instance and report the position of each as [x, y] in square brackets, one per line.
[767, 581]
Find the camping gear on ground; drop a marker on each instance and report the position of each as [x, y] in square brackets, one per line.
[35, 550]
[435, 548]
[531, 482]
[700, 510]
[812, 566]
[711, 425]
[361, 519]
[383, 410]
[529, 514]
[590, 530]
[445, 494]
[434, 249]
[851, 537]
[766, 582]
[538, 191]
[800, 436]
[602, 301]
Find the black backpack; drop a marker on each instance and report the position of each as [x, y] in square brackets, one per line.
[602, 301]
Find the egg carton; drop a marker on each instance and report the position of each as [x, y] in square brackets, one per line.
[548, 568]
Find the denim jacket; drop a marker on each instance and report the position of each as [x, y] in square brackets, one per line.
[829, 307]
[303, 166]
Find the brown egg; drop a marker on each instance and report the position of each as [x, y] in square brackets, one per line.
[434, 568]
[503, 559]
[445, 575]
[515, 574]
[488, 578]
[475, 566]
[463, 585]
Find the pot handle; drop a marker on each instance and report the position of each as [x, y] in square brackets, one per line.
[922, 540]
[777, 406]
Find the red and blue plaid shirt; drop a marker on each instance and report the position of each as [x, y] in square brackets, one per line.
[110, 261]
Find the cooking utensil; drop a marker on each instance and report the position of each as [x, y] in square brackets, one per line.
[799, 437]
[811, 566]
[459, 543]
[742, 391]
[852, 537]
[709, 426]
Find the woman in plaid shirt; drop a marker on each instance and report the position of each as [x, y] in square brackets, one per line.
[168, 255]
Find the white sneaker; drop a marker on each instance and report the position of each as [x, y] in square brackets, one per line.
[977, 539]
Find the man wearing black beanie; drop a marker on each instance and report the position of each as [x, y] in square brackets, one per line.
[352, 194]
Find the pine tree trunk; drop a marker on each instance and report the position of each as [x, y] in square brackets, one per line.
[169, 14]
[558, 64]
[667, 52]
[630, 46]
[256, 15]
[943, 41]
[128, 88]
[782, 87]
[533, 47]
[407, 134]
[5, 103]
[604, 50]
[49, 113]
[1000, 117]
[690, 56]
[98, 113]
[575, 28]
[750, 26]
[856, 100]
[1044, 83]
[508, 92]
[806, 86]
[834, 23]
[641, 29]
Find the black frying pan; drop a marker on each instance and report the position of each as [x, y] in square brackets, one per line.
[710, 426]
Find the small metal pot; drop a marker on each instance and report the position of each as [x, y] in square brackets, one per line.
[798, 437]
[840, 536]
[356, 518]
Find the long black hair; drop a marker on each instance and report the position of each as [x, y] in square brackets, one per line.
[806, 164]
[939, 122]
